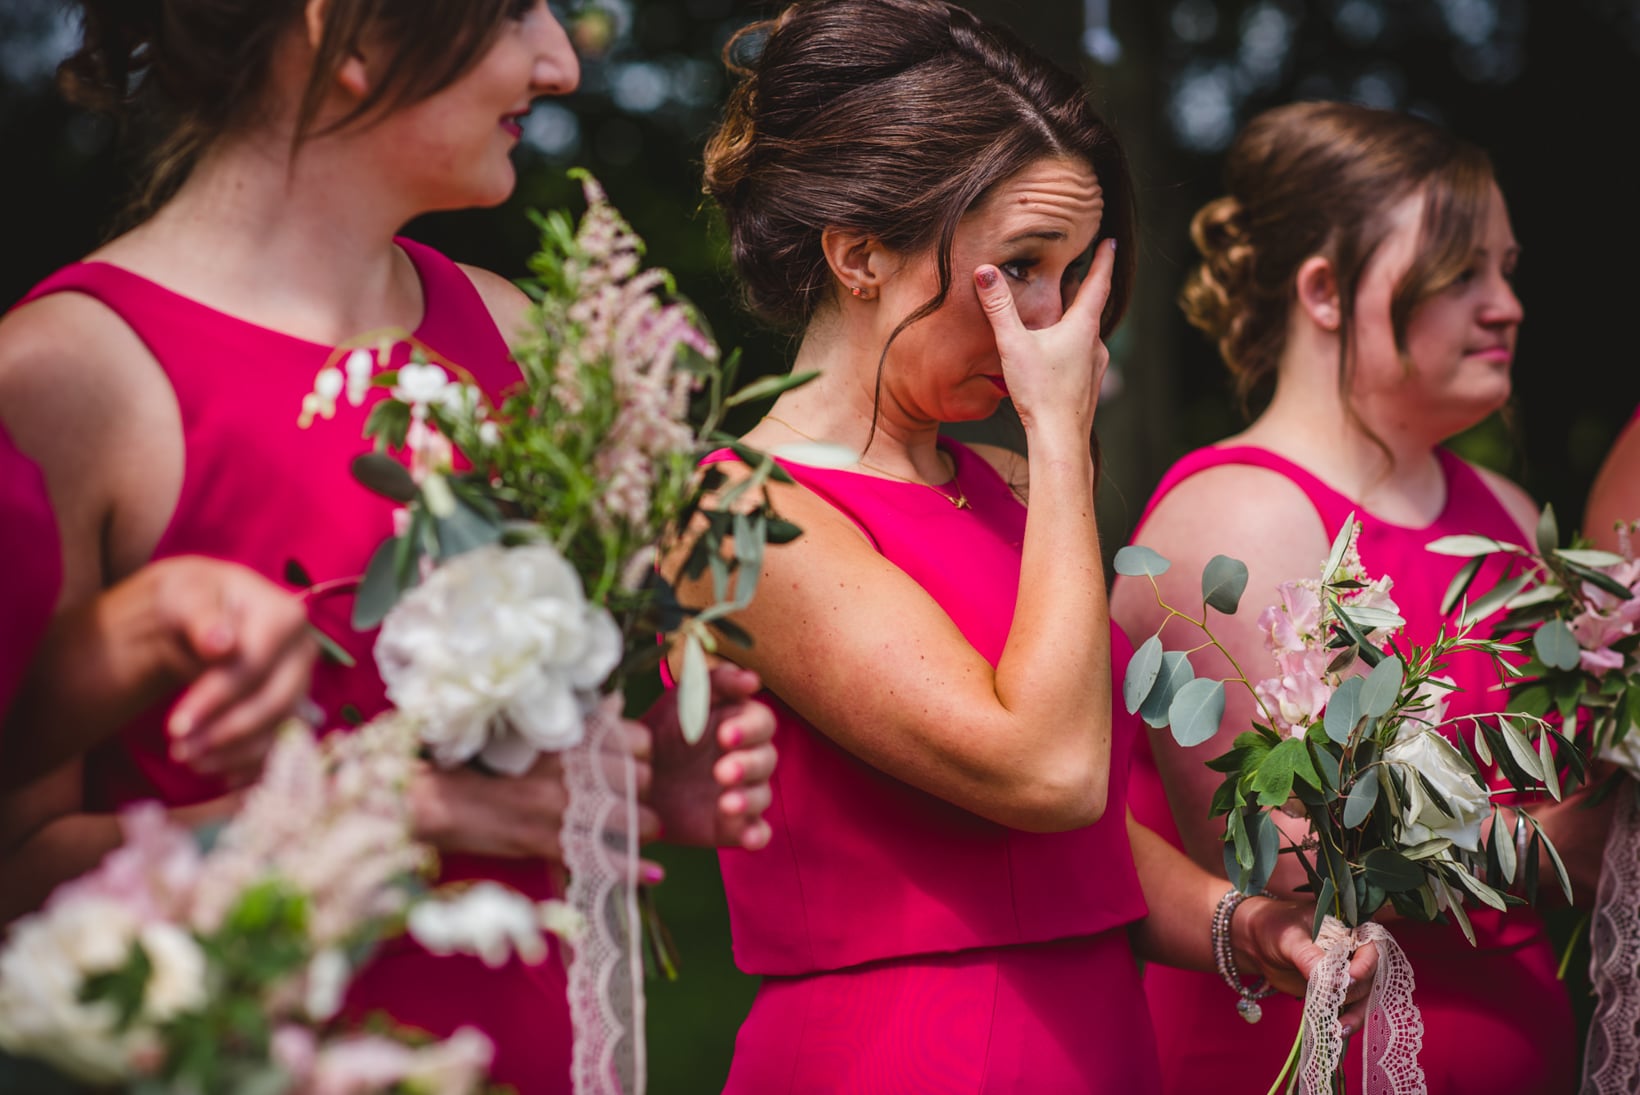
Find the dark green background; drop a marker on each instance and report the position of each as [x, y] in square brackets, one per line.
[1548, 86]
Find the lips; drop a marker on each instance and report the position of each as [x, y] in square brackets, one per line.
[514, 125]
[1000, 384]
[1498, 354]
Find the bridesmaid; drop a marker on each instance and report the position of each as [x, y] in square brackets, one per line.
[157, 384]
[954, 892]
[240, 640]
[1357, 273]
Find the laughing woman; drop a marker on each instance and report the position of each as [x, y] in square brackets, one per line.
[157, 386]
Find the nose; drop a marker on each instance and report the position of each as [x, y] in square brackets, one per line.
[1503, 307]
[557, 71]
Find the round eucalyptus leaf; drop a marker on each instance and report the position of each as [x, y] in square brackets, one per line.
[1556, 646]
[1175, 672]
[1135, 561]
[1381, 687]
[1141, 673]
[1224, 580]
[1363, 797]
[1196, 711]
[1344, 710]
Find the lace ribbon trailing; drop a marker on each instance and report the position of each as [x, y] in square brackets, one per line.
[600, 845]
[1611, 1060]
[1394, 1029]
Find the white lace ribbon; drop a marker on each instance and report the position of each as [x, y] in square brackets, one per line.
[605, 971]
[1611, 1059]
[1394, 1029]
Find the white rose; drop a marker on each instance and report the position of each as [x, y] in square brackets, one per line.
[487, 920]
[177, 983]
[1420, 751]
[1626, 753]
[47, 958]
[498, 655]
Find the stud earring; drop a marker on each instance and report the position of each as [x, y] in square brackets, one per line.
[855, 289]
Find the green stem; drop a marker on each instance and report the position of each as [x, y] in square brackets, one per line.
[1290, 1066]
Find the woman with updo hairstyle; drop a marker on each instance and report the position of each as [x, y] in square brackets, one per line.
[954, 892]
[1357, 279]
[157, 385]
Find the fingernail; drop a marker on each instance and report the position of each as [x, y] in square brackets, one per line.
[652, 873]
[180, 725]
[734, 735]
[734, 771]
[734, 802]
[986, 277]
[1113, 243]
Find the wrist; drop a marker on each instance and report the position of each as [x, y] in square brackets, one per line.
[1236, 957]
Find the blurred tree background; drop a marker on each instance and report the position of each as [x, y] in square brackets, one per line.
[1545, 85]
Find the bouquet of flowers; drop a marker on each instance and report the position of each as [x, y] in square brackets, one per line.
[1349, 738]
[521, 587]
[216, 962]
[1580, 608]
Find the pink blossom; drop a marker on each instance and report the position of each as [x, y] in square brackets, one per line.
[1299, 693]
[153, 874]
[1293, 623]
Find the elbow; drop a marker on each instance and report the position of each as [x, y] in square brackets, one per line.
[1062, 797]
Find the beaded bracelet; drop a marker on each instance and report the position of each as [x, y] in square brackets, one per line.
[1224, 958]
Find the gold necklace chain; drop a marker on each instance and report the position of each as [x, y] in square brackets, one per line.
[959, 500]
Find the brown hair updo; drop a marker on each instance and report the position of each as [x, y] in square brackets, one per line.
[188, 71]
[1320, 178]
[892, 118]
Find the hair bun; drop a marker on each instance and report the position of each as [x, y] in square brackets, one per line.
[1212, 294]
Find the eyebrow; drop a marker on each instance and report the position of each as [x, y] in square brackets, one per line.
[1052, 235]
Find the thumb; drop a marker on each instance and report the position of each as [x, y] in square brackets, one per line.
[998, 304]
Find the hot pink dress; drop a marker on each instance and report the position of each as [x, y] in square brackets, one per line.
[1496, 1018]
[905, 944]
[259, 490]
[31, 568]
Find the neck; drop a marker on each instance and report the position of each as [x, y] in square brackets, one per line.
[304, 246]
[1373, 456]
[843, 405]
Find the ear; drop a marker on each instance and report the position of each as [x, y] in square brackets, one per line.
[860, 263]
[352, 75]
[1317, 288]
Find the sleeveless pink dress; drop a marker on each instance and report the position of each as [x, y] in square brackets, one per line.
[259, 490]
[31, 568]
[905, 944]
[1497, 1020]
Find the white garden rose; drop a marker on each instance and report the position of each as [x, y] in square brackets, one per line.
[47, 959]
[487, 920]
[1625, 754]
[498, 655]
[177, 983]
[1419, 750]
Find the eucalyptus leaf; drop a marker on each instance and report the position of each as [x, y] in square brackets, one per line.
[1175, 673]
[1382, 687]
[1323, 905]
[385, 476]
[1136, 560]
[1344, 711]
[1392, 870]
[694, 690]
[1362, 798]
[1266, 850]
[463, 530]
[1141, 673]
[379, 590]
[1494, 599]
[1224, 580]
[1196, 710]
[1556, 646]
[1466, 546]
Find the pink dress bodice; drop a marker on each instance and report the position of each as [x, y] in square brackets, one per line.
[864, 867]
[260, 490]
[1462, 990]
[31, 567]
